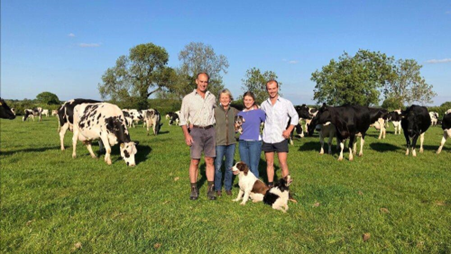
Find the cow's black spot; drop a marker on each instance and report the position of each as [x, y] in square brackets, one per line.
[126, 154]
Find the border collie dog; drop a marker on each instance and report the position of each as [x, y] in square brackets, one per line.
[278, 196]
[249, 184]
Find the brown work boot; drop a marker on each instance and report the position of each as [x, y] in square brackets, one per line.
[194, 193]
[229, 192]
[218, 193]
[211, 193]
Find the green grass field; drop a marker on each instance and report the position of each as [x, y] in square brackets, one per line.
[51, 203]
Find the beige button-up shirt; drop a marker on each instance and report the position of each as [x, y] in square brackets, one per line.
[197, 110]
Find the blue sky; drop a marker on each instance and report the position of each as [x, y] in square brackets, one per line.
[65, 46]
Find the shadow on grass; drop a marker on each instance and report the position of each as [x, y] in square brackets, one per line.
[42, 149]
[384, 147]
[310, 146]
[143, 152]
[140, 156]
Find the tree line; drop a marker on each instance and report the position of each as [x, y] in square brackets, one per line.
[366, 78]
[362, 79]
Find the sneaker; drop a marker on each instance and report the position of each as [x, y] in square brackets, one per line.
[270, 185]
[194, 193]
[229, 192]
[211, 193]
[219, 193]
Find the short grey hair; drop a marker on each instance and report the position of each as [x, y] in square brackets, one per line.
[226, 91]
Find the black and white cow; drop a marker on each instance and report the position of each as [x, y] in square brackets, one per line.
[153, 118]
[45, 112]
[326, 130]
[66, 116]
[174, 118]
[55, 112]
[446, 126]
[31, 113]
[305, 114]
[136, 116]
[377, 116]
[128, 118]
[348, 121]
[395, 117]
[434, 117]
[5, 111]
[415, 122]
[103, 121]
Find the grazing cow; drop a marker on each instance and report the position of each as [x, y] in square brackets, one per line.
[175, 117]
[45, 112]
[415, 122]
[136, 116]
[128, 118]
[32, 113]
[348, 121]
[446, 126]
[169, 115]
[395, 117]
[55, 112]
[152, 118]
[5, 111]
[434, 117]
[103, 121]
[66, 116]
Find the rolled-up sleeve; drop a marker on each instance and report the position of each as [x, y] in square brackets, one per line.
[184, 112]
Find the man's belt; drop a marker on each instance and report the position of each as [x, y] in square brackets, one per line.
[203, 127]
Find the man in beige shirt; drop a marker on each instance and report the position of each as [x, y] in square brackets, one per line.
[198, 110]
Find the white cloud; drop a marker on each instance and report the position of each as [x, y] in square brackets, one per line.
[448, 12]
[89, 45]
[434, 61]
[290, 61]
[71, 35]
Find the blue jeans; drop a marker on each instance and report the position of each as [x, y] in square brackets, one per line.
[229, 153]
[250, 154]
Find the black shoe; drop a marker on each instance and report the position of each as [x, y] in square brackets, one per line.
[229, 192]
[194, 193]
[211, 193]
[270, 185]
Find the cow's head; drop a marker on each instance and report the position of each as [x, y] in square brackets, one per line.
[5, 111]
[322, 116]
[128, 151]
[303, 111]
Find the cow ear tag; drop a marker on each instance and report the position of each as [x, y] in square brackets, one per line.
[1, 104]
[122, 145]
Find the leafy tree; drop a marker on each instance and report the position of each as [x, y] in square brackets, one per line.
[408, 86]
[133, 76]
[198, 57]
[446, 105]
[353, 79]
[392, 104]
[48, 98]
[255, 81]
